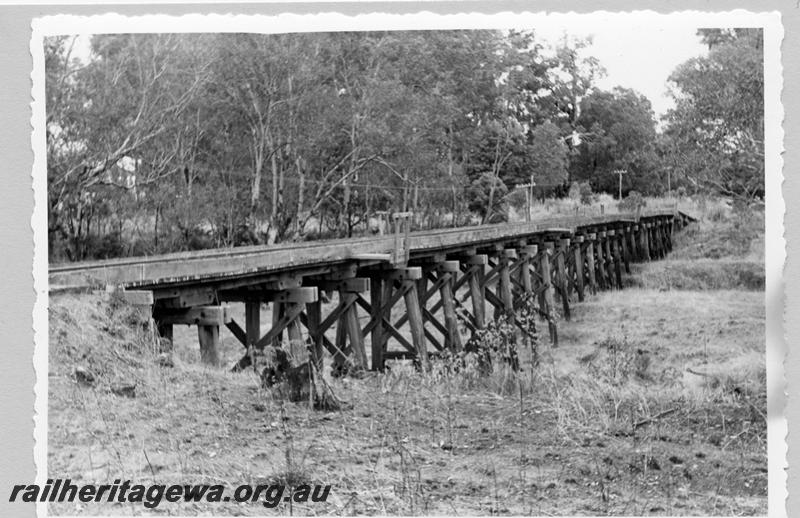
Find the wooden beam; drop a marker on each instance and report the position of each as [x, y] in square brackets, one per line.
[208, 335]
[388, 327]
[289, 314]
[237, 332]
[479, 259]
[610, 261]
[412, 273]
[416, 323]
[590, 263]
[626, 256]
[290, 295]
[561, 276]
[200, 316]
[313, 321]
[477, 294]
[252, 321]
[354, 285]
[617, 260]
[277, 313]
[135, 297]
[452, 336]
[354, 333]
[449, 266]
[376, 293]
[184, 298]
[505, 284]
[547, 298]
[577, 251]
[297, 346]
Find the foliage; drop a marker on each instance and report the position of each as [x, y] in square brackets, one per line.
[618, 132]
[168, 142]
[632, 203]
[548, 155]
[716, 130]
[486, 197]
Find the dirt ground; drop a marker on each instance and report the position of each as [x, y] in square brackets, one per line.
[654, 403]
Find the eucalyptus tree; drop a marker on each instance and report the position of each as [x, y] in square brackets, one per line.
[717, 125]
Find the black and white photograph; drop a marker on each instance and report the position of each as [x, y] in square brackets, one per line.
[412, 265]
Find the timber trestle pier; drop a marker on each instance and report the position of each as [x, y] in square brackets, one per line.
[373, 299]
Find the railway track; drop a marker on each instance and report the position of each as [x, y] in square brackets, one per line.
[187, 267]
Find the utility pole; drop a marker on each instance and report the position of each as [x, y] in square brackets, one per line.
[620, 172]
[528, 196]
[669, 182]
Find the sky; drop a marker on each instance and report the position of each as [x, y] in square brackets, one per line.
[637, 56]
[638, 50]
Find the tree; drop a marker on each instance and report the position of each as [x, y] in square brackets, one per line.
[487, 196]
[717, 125]
[549, 155]
[101, 115]
[619, 133]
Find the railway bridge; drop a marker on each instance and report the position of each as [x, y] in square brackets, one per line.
[372, 299]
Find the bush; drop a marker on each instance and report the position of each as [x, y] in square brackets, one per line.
[586, 195]
[479, 193]
[633, 203]
[106, 246]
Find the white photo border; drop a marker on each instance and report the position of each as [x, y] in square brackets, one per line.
[332, 21]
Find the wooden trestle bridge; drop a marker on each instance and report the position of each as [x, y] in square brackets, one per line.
[437, 282]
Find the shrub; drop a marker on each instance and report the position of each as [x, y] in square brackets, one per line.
[586, 195]
[633, 203]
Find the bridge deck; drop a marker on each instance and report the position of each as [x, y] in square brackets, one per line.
[218, 264]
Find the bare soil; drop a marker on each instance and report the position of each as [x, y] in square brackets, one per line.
[654, 403]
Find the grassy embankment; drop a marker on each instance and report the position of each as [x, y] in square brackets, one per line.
[655, 403]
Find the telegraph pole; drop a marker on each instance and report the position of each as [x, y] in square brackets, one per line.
[528, 196]
[620, 172]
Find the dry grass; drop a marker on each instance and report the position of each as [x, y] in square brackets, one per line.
[654, 404]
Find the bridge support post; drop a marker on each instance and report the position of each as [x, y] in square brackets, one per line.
[609, 262]
[252, 321]
[209, 344]
[547, 287]
[652, 239]
[615, 252]
[666, 230]
[527, 255]
[297, 347]
[340, 345]
[645, 240]
[206, 318]
[354, 331]
[633, 243]
[561, 276]
[376, 300]
[655, 240]
[448, 269]
[578, 254]
[623, 242]
[314, 312]
[477, 290]
[505, 282]
[277, 314]
[590, 262]
[414, 312]
[288, 306]
[600, 258]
